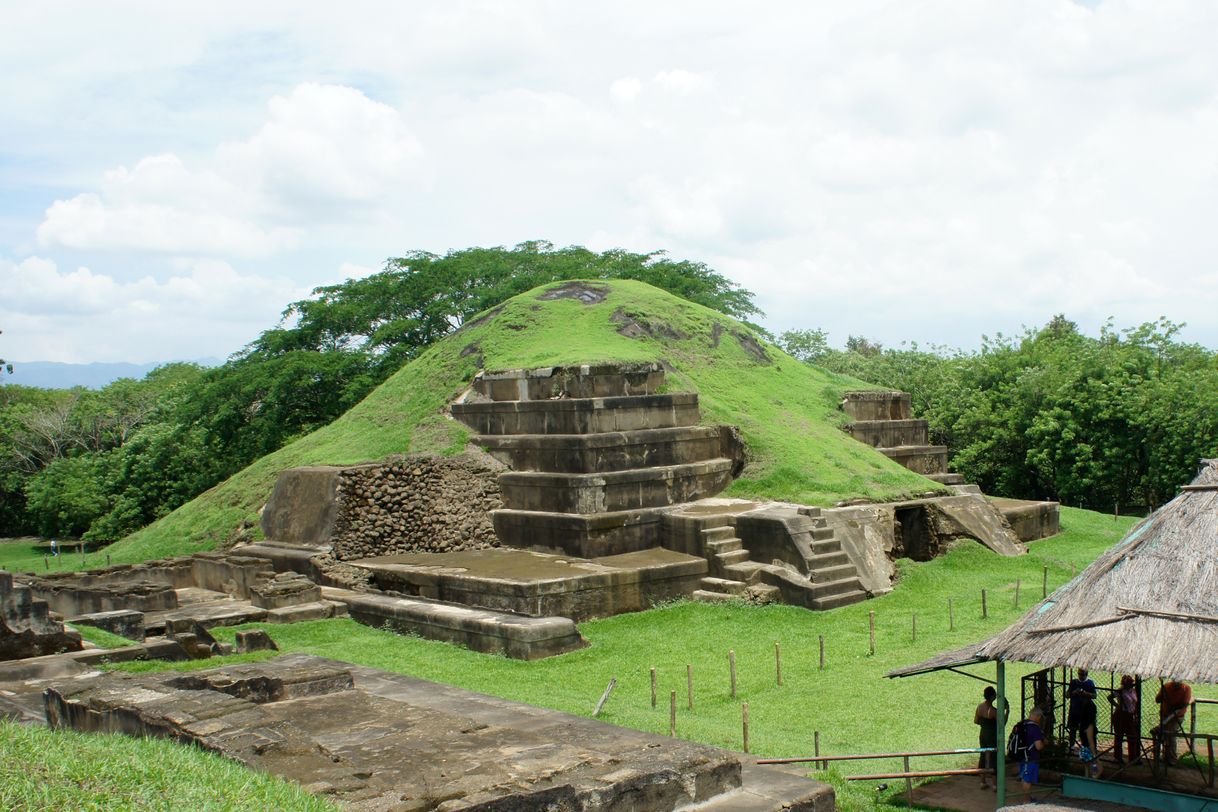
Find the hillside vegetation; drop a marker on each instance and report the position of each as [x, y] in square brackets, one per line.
[786, 410]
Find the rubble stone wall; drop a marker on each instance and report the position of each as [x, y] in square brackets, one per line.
[417, 504]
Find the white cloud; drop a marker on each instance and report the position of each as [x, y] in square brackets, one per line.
[79, 315]
[325, 153]
[896, 171]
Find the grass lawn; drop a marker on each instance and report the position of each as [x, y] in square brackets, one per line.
[850, 702]
[31, 555]
[53, 770]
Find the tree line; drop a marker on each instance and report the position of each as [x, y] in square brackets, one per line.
[1116, 421]
[101, 464]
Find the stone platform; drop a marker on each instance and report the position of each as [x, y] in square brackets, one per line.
[375, 740]
[538, 584]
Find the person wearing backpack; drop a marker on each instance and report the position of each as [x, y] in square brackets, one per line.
[1026, 742]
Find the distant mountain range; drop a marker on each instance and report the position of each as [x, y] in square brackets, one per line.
[54, 375]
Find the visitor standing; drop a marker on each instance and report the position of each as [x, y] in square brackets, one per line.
[54, 548]
[1030, 740]
[1174, 697]
[1125, 717]
[1082, 709]
[986, 716]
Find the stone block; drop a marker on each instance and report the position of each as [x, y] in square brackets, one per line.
[877, 404]
[584, 381]
[580, 415]
[284, 589]
[255, 640]
[302, 508]
[585, 536]
[615, 491]
[126, 623]
[890, 433]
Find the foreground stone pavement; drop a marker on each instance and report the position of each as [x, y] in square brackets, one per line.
[381, 741]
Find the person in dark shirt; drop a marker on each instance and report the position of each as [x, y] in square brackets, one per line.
[1082, 710]
[1032, 742]
[1125, 716]
[986, 716]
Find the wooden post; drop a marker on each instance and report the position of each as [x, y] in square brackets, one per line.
[1001, 751]
[822, 652]
[816, 748]
[107, 559]
[871, 627]
[731, 667]
[46, 563]
[1044, 583]
[746, 727]
[908, 784]
[604, 697]
[689, 684]
[913, 622]
[672, 714]
[653, 687]
[1016, 593]
[778, 664]
[1209, 745]
[951, 616]
[985, 612]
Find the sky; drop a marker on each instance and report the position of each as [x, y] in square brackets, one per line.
[931, 172]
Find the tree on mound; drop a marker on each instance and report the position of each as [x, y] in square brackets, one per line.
[389, 317]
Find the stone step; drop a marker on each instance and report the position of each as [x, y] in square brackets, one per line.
[583, 381]
[604, 451]
[825, 560]
[724, 585]
[822, 533]
[765, 593]
[712, 597]
[724, 546]
[636, 488]
[922, 459]
[968, 489]
[724, 531]
[522, 638]
[827, 589]
[580, 415]
[826, 546]
[841, 599]
[835, 572]
[769, 789]
[747, 571]
[876, 404]
[950, 479]
[889, 433]
[734, 557]
[586, 536]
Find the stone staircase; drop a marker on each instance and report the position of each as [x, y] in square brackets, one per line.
[883, 419]
[26, 626]
[596, 455]
[823, 577]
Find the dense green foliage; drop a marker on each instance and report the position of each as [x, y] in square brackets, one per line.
[62, 769]
[786, 411]
[923, 713]
[103, 464]
[1117, 420]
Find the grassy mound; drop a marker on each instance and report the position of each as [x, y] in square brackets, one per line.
[786, 410]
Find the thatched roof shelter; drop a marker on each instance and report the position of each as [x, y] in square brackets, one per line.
[1147, 606]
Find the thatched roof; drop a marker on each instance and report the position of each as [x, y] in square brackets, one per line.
[1147, 606]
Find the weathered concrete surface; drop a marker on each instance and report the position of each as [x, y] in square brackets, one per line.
[484, 630]
[584, 536]
[388, 741]
[1030, 520]
[890, 433]
[580, 415]
[604, 452]
[583, 381]
[285, 589]
[302, 507]
[126, 623]
[26, 628]
[877, 534]
[542, 584]
[613, 491]
[876, 404]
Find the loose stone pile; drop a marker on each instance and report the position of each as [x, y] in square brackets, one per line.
[417, 504]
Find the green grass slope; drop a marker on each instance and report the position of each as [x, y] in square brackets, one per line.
[786, 410]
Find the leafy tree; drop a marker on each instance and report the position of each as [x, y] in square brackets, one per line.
[809, 346]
